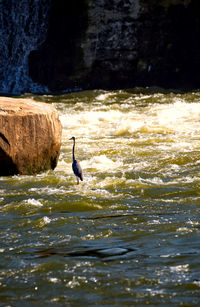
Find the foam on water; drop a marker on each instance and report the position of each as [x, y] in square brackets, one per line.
[175, 118]
[104, 96]
[33, 202]
[101, 163]
[138, 140]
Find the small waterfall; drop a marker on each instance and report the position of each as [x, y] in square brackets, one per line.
[23, 27]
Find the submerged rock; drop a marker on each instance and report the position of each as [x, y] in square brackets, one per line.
[30, 136]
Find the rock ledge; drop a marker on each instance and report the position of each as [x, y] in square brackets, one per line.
[30, 136]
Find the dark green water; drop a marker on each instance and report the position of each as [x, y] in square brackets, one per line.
[129, 235]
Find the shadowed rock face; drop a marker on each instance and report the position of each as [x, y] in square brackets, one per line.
[30, 136]
[58, 63]
[101, 44]
[60, 45]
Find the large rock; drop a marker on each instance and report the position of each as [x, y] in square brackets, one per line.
[30, 136]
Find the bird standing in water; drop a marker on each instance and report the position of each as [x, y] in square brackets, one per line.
[76, 165]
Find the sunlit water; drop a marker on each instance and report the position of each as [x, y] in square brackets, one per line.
[129, 234]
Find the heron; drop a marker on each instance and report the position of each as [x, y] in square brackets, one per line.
[76, 165]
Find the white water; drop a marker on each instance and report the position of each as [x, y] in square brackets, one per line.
[153, 143]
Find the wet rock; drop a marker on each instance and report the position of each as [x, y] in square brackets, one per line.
[111, 253]
[30, 136]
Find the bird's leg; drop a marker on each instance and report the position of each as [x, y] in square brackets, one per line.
[77, 180]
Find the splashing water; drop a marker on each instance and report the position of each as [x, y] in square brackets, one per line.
[129, 136]
[133, 222]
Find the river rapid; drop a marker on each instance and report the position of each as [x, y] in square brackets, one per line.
[129, 234]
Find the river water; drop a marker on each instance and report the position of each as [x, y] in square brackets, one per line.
[129, 234]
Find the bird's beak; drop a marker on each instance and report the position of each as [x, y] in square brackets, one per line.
[70, 139]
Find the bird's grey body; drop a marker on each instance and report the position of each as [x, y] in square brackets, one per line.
[76, 165]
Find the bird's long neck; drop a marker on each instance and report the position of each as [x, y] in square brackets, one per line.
[73, 154]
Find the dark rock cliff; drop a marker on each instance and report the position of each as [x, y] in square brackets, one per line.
[58, 63]
[90, 44]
